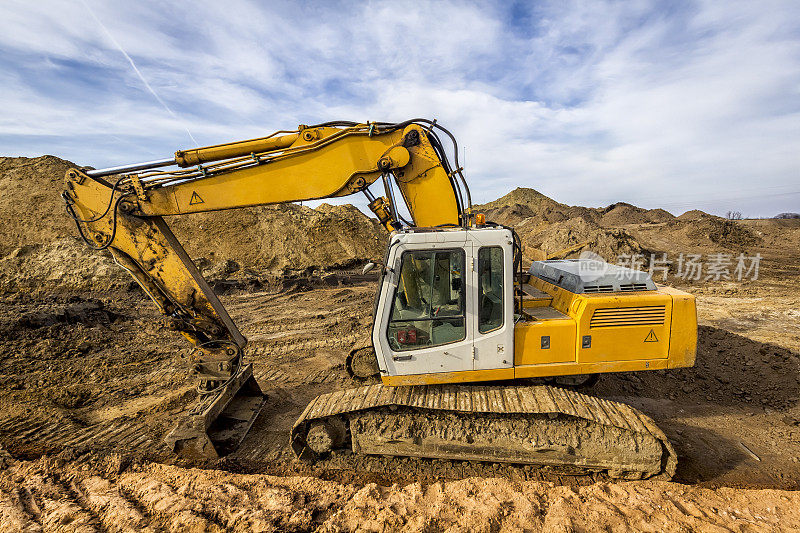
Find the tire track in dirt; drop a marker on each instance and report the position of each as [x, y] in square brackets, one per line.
[113, 509]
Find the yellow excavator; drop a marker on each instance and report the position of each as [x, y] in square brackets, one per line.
[459, 326]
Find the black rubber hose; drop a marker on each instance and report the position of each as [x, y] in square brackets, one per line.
[77, 220]
[438, 147]
[455, 150]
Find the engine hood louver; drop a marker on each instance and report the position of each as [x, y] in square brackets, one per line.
[628, 316]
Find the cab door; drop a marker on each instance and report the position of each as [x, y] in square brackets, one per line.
[422, 321]
[493, 324]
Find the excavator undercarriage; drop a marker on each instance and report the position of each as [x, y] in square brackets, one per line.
[538, 425]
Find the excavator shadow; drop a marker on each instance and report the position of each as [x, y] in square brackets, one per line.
[704, 455]
[713, 412]
[732, 371]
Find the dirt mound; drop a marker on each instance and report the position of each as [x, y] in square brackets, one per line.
[272, 238]
[621, 214]
[523, 196]
[659, 215]
[547, 227]
[770, 223]
[117, 493]
[523, 204]
[37, 242]
[61, 265]
[727, 233]
[694, 214]
[265, 241]
[31, 210]
[570, 237]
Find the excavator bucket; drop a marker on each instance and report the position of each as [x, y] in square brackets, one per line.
[216, 425]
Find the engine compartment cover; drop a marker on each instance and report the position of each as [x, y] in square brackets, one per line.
[587, 276]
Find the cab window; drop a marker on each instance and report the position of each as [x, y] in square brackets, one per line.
[490, 289]
[428, 306]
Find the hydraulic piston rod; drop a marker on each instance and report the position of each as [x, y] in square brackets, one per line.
[100, 172]
[196, 156]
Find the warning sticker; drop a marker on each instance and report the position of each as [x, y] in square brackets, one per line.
[195, 199]
[651, 337]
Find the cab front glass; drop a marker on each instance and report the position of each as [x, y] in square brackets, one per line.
[428, 305]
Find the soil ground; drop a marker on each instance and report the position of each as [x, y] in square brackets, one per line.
[93, 378]
[87, 377]
[108, 493]
[96, 363]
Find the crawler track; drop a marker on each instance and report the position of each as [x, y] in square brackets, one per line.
[523, 425]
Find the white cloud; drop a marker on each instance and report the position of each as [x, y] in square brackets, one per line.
[662, 105]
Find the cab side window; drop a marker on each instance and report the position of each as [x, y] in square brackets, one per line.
[428, 306]
[490, 289]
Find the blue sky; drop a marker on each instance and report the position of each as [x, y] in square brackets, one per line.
[680, 105]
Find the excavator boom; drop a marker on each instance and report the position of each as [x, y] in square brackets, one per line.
[126, 216]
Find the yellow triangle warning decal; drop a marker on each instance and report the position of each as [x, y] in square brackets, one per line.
[651, 337]
[195, 199]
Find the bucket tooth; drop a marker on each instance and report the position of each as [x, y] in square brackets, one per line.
[218, 423]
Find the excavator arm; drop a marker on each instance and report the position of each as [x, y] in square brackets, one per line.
[122, 209]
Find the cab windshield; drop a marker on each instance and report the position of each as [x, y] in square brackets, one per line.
[428, 306]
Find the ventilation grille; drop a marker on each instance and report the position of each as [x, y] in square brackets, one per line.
[628, 287]
[628, 316]
[598, 288]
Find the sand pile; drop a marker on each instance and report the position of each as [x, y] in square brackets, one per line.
[718, 234]
[608, 243]
[270, 238]
[38, 243]
[547, 227]
[728, 233]
[64, 264]
[31, 210]
[694, 214]
[115, 493]
[569, 237]
[522, 203]
[620, 214]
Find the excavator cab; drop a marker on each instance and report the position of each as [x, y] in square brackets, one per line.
[446, 302]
